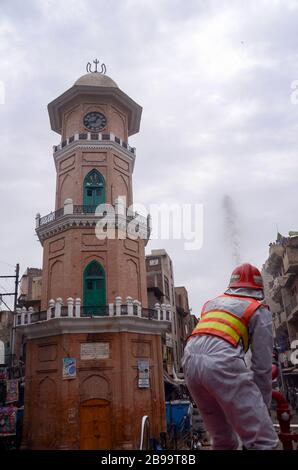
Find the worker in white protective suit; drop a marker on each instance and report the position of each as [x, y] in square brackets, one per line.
[233, 399]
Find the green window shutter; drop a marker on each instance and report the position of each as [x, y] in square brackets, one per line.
[94, 190]
[94, 288]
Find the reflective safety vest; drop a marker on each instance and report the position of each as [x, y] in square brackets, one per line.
[227, 316]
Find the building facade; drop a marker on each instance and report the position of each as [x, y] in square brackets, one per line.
[6, 326]
[280, 273]
[30, 288]
[93, 351]
[186, 322]
[160, 288]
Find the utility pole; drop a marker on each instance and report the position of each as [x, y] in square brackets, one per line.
[15, 293]
[15, 296]
[16, 287]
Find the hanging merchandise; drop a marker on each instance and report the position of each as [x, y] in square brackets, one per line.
[12, 391]
[8, 420]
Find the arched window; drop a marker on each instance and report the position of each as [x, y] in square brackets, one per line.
[2, 352]
[94, 282]
[93, 191]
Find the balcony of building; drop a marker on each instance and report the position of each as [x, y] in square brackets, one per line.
[290, 260]
[275, 289]
[73, 315]
[278, 284]
[291, 308]
[274, 262]
[71, 216]
[280, 321]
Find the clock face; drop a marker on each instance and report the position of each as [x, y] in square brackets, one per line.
[95, 121]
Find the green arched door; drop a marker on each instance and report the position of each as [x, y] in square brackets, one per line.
[93, 191]
[94, 281]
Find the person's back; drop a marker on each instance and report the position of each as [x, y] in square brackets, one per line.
[231, 398]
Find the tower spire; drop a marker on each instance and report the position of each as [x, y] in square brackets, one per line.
[96, 62]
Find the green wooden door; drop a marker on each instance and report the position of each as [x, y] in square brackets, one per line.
[94, 191]
[94, 289]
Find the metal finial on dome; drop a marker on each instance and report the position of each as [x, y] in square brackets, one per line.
[96, 62]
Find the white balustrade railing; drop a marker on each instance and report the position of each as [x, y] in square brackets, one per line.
[73, 309]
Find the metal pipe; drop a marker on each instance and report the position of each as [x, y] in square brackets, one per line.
[284, 417]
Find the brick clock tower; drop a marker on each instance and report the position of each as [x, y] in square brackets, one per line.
[93, 353]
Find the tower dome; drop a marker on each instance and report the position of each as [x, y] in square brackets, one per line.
[98, 85]
[96, 79]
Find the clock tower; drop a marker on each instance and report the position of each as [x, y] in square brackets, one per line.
[94, 165]
[93, 352]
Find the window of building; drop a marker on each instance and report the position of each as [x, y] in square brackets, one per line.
[153, 262]
[167, 288]
[94, 282]
[94, 190]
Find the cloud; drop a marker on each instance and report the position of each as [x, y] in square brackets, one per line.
[214, 81]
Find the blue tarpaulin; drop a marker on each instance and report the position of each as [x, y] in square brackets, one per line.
[177, 412]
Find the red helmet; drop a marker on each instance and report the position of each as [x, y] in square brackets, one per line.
[246, 275]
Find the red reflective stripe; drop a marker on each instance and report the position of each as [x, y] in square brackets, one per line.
[223, 321]
[248, 313]
[244, 318]
[214, 332]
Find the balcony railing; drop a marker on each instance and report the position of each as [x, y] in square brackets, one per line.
[70, 209]
[95, 311]
[85, 209]
[90, 136]
[132, 308]
[35, 317]
[46, 219]
[149, 313]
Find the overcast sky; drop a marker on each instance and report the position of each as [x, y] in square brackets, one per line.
[218, 125]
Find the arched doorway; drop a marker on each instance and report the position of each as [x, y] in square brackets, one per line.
[94, 282]
[93, 191]
[95, 425]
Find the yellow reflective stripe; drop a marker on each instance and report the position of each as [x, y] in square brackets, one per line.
[218, 326]
[235, 321]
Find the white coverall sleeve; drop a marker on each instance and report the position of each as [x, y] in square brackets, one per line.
[261, 338]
